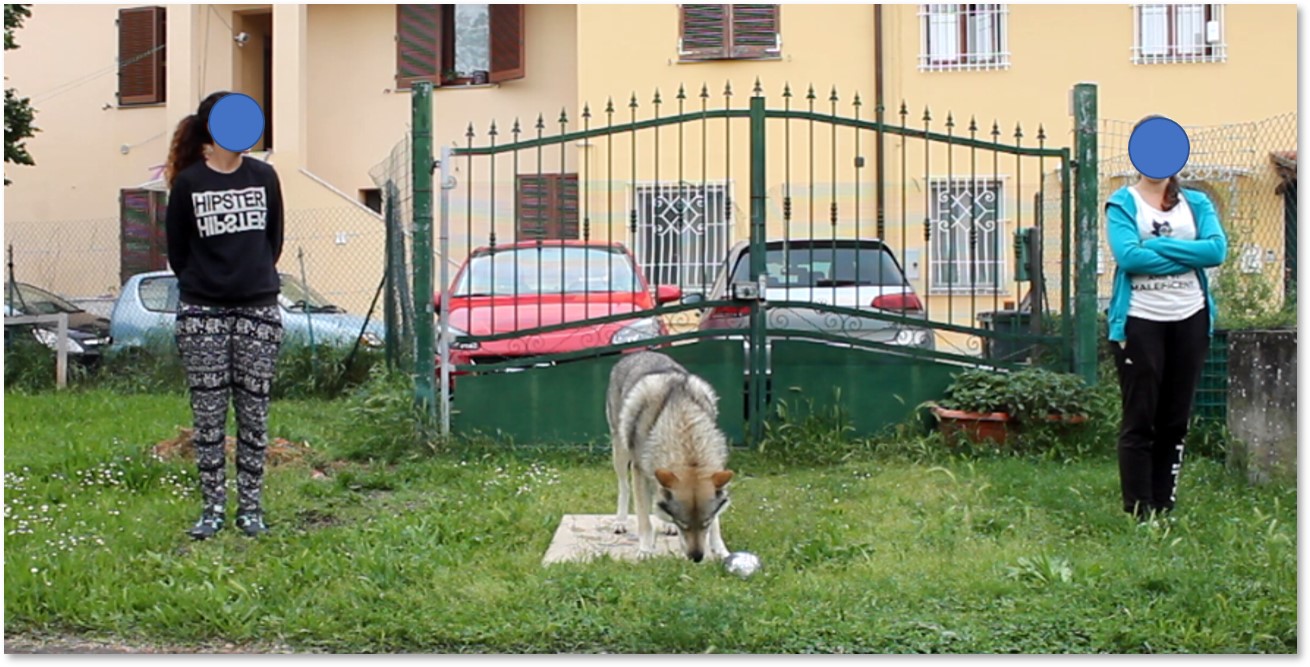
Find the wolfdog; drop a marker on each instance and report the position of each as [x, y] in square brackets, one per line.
[663, 429]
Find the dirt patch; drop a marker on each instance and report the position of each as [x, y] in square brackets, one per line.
[77, 645]
[280, 450]
[311, 519]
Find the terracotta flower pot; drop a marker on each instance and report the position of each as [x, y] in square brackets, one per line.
[976, 427]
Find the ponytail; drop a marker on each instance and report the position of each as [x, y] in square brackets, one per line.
[189, 139]
[1172, 192]
[186, 149]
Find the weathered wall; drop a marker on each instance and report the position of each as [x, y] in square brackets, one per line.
[1262, 404]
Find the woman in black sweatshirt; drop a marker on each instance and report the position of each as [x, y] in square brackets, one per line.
[224, 226]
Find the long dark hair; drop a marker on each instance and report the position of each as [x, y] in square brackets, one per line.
[189, 139]
[1172, 189]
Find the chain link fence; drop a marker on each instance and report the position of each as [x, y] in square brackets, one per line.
[393, 177]
[332, 266]
[1243, 168]
[1249, 170]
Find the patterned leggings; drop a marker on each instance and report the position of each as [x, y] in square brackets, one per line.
[229, 352]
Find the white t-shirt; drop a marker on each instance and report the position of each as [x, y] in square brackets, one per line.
[1165, 298]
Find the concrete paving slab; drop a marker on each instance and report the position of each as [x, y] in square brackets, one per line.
[583, 537]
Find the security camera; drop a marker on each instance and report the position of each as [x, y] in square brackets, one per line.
[241, 38]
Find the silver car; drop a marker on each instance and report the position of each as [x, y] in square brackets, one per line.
[145, 311]
[861, 274]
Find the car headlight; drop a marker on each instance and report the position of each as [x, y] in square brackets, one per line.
[50, 339]
[371, 339]
[641, 329]
[453, 335]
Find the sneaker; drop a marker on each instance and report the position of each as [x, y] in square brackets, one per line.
[252, 523]
[211, 521]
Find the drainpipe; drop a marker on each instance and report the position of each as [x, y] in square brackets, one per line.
[879, 105]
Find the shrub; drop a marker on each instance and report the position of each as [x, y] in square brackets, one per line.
[1027, 395]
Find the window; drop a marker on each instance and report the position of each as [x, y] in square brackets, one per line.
[372, 198]
[141, 57]
[548, 270]
[458, 44]
[548, 206]
[142, 241]
[719, 32]
[1178, 34]
[159, 295]
[963, 37]
[822, 263]
[957, 207]
[682, 231]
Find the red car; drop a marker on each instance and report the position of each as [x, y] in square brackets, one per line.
[526, 285]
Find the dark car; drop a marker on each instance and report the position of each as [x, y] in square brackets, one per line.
[88, 333]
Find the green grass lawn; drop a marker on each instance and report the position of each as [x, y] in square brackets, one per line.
[885, 553]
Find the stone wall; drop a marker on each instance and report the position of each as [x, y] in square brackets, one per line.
[1262, 404]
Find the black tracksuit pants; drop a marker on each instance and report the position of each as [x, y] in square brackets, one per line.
[1159, 365]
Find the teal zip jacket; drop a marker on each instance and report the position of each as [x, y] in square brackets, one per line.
[1162, 256]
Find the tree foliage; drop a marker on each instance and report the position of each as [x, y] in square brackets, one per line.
[19, 113]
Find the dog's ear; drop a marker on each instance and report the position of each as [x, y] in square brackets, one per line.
[666, 477]
[721, 478]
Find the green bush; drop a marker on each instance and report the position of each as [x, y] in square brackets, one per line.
[29, 364]
[321, 371]
[1249, 300]
[1029, 395]
[387, 423]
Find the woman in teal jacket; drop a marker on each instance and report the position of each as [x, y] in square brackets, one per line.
[1161, 317]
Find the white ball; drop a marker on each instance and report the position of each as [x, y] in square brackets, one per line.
[742, 563]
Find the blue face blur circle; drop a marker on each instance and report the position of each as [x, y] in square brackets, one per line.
[1159, 148]
[236, 122]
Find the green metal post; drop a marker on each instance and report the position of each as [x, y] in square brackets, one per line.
[424, 364]
[1086, 215]
[389, 314]
[759, 353]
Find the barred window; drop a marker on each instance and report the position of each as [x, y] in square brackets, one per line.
[959, 209]
[1165, 34]
[963, 37]
[683, 232]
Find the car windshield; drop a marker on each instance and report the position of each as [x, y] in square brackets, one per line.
[300, 297]
[29, 300]
[821, 264]
[548, 270]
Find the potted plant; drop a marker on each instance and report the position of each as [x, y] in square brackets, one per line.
[481, 77]
[985, 404]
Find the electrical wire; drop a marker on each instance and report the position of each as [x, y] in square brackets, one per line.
[78, 82]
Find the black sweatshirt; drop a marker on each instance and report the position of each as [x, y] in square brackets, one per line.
[225, 234]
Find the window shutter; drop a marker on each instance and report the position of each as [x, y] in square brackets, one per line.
[141, 41]
[566, 201]
[704, 31]
[548, 206]
[142, 241]
[418, 44]
[754, 30]
[506, 42]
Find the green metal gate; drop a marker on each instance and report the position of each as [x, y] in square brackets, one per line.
[831, 280]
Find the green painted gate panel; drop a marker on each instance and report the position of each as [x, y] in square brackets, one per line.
[878, 389]
[565, 404]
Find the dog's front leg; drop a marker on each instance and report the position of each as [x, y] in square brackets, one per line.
[717, 548]
[622, 469]
[645, 532]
